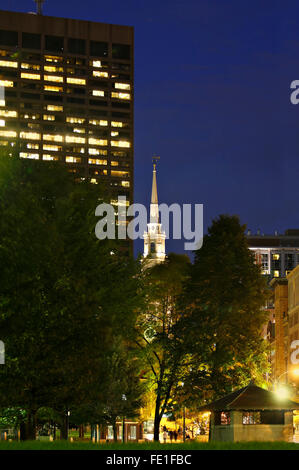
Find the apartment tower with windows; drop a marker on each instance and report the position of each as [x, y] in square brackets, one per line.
[68, 95]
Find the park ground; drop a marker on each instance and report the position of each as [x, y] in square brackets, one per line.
[63, 445]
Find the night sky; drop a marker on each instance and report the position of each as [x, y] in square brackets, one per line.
[212, 98]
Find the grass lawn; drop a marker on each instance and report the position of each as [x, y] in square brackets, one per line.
[63, 445]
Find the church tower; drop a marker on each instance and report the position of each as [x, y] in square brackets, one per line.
[154, 238]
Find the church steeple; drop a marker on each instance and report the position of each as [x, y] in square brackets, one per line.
[154, 237]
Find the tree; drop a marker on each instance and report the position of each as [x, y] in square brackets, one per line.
[160, 330]
[224, 301]
[64, 295]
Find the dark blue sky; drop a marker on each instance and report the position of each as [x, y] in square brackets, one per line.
[212, 98]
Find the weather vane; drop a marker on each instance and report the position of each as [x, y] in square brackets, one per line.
[155, 160]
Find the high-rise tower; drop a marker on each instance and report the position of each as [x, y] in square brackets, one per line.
[154, 238]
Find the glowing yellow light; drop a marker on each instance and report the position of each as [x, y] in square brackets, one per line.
[75, 120]
[30, 66]
[93, 141]
[49, 157]
[98, 93]
[114, 134]
[2, 123]
[114, 163]
[120, 173]
[97, 63]
[295, 372]
[52, 58]
[79, 130]
[6, 113]
[74, 140]
[122, 86]
[52, 68]
[53, 148]
[96, 73]
[97, 122]
[116, 124]
[33, 156]
[53, 88]
[73, 159]
[31, 146]
[53, 138]
[6, 83]
[8, 63]
[282, 392]
[120, 143]
[53, 78]
[30, 76]
[126, 184]
[29, 135]
[52, 107]
[76, 81]
[48, 117]
[93, 161]
[121, 96]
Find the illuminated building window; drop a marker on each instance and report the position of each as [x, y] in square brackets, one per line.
[52, 148]
[276, 256]
[93, 141]
[126, 184]
[29, 135]
[49, 157]
[93, 151]
[53, 78]
[116, 124]
[53, 88]
[52, 58]
[113, 163]
[93, 181]
[52, 107]
[7, 113]
[115, 202]
[122, 86]
[74, 140]
[33, 156]
[114, 134]
[124, 174]
[6, 83]
[76, 81]
[98, 93]
[96, 73]
[48, 117]
[94, 161]
[30, 66]
[30, 116]
[30, 76]
[3, 142]
[75, 120]
[97, 122]
[79, 130]
[121, 96]
[32, 146]
[73, 159]
[52, 68]
[2, 102]
[120, 143]
[53, 137]
[2, 123]
[8, 63]
[276, 273]
[97, 63]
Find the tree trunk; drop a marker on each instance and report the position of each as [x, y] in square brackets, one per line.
[114, 431]
[81, 431]
[64, 427]
[28, 431]
[157, 419]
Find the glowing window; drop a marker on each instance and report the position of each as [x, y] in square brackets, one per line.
[121, 96]
[73, 159]
[49, 157]
[52, 58]
[76, 81]
[116, 124]
[53, 88]
[32, 146]
[97, 122]
[75, 120]
[122, 86]
[30, 66]
[30, 135]
[276, 273]
[98, 93]
[276, 256]
[52, 68]
[120, 143]
[2, 123]
[75, 140]
[52, 107]
[52, 148]
[96, 73]
[97, 63]
[30, 76]
[93, 141]
[33, 156]
[94, 161]
[114, 163]
[6, 113]
[79, 130]
[93, 151]
[8, 63]
[114, 134]
[6, 83]
[53, 78]
[53, 137]
[48, 117]
[120, 173]
[126, 184]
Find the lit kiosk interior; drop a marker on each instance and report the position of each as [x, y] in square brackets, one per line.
[251, 414]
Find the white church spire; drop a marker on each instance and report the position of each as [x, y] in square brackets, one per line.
[154, 237]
